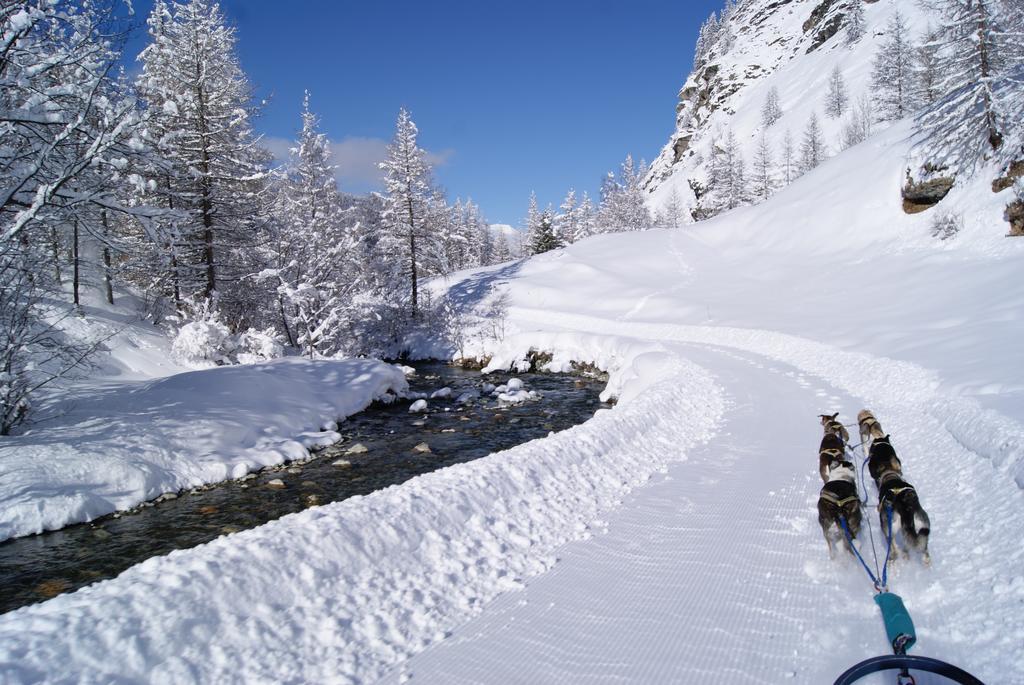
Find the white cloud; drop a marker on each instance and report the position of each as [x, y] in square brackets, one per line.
[356, 159]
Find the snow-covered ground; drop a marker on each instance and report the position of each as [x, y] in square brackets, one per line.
[673, 538]
[143, 424]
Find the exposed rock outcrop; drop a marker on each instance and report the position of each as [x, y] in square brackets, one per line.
[1014, 171]
[1015, 215]
[921, 195]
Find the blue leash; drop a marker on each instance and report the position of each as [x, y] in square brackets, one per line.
[879, 583]
[871, 532]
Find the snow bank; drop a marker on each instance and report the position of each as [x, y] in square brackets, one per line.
[884, 384]
[113, 446]
[339, 593]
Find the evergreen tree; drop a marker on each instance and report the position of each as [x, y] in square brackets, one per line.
[731, 183]
[927, 78]
[533, 216]
[764, 167]
[311, 258]
[587, 218]
[484, 237]
[981, 60]
[502, 252]
[892, 72]
[837, 99]
[812, 148]
[544, 239]
[858, 127]
[568, 219]
[622, 200]
[789, 169]
[408, 198]
[706, 39]
[855, 22]
[199, 107]
[673, 214]
[771, 111]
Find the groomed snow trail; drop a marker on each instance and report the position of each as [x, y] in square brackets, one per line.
[717, 572]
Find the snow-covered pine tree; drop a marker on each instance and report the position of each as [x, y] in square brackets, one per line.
[861, 119]
[706, 193]
[199, 106]
[981, 60]
[789, 168]
[455, 228]
[892, 71]
[726, 37]
[567, 219]
[764, 167]
[622, 200]
[532, 225]
[585, 224]
[855, 22]
[706, 39]
[731, 189]
[836, 99]
[483, 240]
[312, 262]
[927, 79]
[502, 252]
[409, 193]
[445, 234]
[673, 214]
[544, 238]
[771, 111]
[812, 148]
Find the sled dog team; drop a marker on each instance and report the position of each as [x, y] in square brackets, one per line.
[839, 499]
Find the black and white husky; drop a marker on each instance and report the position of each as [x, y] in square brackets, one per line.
[838, 500]
[898, 496]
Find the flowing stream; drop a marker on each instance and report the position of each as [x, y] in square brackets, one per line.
[38, 567]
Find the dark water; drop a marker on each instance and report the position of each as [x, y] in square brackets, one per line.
[41, 566]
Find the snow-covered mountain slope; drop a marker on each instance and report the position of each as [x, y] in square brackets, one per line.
[673, 538]
[789, 45]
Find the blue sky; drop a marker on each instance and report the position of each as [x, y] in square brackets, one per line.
[509, 97]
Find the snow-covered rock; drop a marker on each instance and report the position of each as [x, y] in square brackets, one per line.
[418, 407]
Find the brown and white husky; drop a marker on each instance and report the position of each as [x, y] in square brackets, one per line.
[838, 500]
[833, 426]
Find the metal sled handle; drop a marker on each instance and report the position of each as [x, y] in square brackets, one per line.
[895, 662]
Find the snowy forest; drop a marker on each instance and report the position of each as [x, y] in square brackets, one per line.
[160, 183]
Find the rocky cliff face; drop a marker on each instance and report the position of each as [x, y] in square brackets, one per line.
[791, 46]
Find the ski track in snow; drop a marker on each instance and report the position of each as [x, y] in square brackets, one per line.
[718, 573]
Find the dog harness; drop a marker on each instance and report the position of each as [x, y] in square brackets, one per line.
[834, 427]
[836, 454]
[834, 499]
